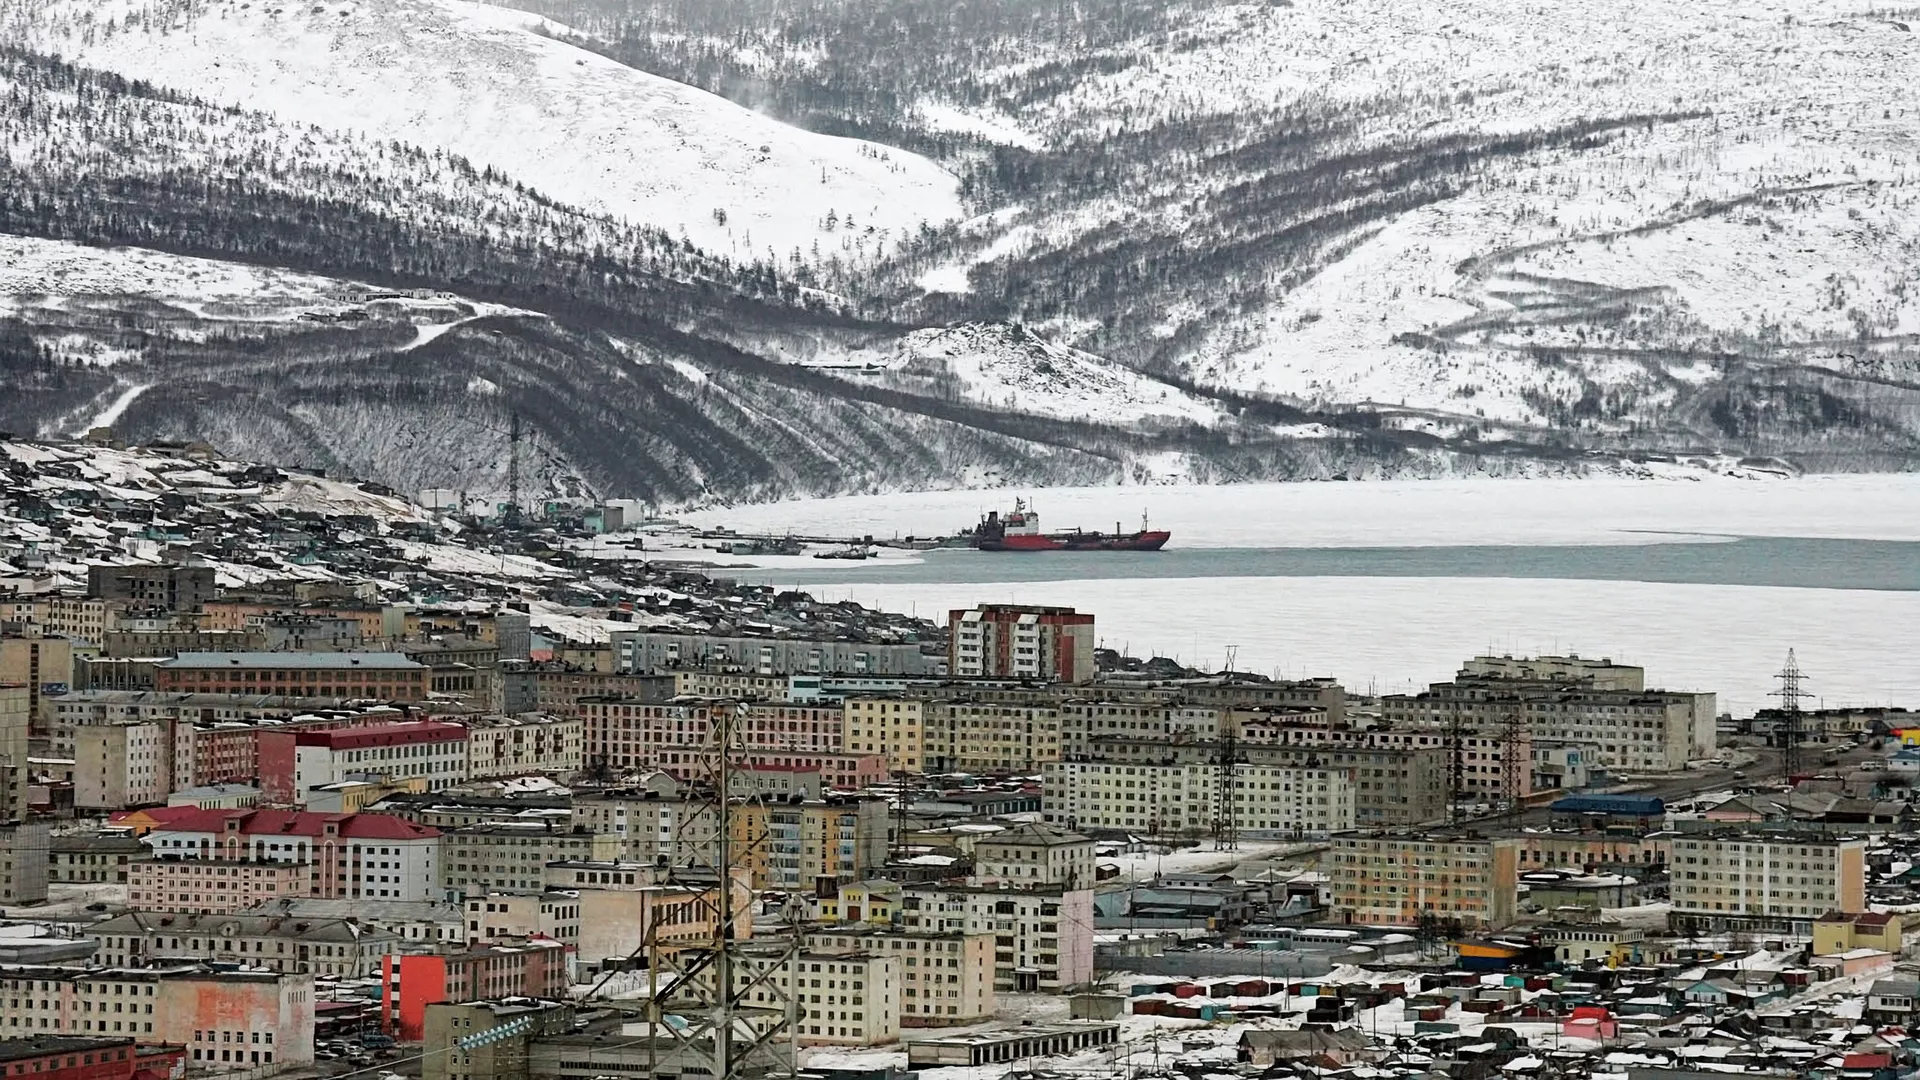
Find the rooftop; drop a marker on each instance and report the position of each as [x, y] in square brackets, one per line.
[34, 1046]
[378, 661]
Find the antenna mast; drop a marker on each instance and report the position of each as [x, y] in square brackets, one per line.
[1789, 727]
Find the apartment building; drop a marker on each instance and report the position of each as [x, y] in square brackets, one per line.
[1496, 762]
[1042, 937]
[1269, 801]
[736, 685]
[1248, 691]
[1050, 644]
[1400, 880]
[122, 765]
[1601, 707]
[647, 651]
[845, 772]
[357, 856]
[845, 998]
[192, 716]
[229, 1021]
[624, 733]
[409, 982]
[87, 858]
[128, 644]
[1032, 854]
[176, 588]
[965, 735]
[1392, 788]
[212, 886]
[446, 1024]
[657, 828]
[557, 689]
[838, 838]
[893, 727]
[946, 979]
[24, 862]
[293, 763]
[1602, 674]
[16, 748]
[82, 619]
[378, 675]
[41, 665]
[525, 745]
[1764, 881]
[501, 857]
[331, 948]
[1083, 721]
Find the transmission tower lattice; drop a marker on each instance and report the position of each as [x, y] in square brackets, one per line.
[1791, 727]
[716, 1004]
[1226, 830]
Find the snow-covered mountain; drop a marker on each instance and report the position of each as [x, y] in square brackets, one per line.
[496, 87]
[750, 248]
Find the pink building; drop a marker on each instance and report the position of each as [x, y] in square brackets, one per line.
[212, 886]
[350, 856]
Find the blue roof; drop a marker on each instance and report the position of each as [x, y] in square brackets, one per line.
[1628, 805]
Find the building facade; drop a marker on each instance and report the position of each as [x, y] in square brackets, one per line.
[377, 675]
[1406, 880]
[351, 856]
[1042, 938]
[1739, 880]
[1050, 644]
[1269, 801]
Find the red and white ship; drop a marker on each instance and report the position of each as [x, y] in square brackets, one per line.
[1020, 531]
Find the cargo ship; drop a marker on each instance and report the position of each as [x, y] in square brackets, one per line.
[1020, 531]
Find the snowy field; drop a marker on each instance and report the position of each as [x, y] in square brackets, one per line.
[1479, 510]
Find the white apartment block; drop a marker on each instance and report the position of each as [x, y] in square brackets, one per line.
[1042, 938]
[527, 745]
[1269, 801]
[1747, 879]
[1033, 854]
[945, 979]
[845, 999]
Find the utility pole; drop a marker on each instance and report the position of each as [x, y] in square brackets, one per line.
[1791, 693]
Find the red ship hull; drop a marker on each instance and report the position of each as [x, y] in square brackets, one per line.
[1152, 540]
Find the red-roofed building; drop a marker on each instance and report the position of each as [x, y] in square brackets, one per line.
[293, 763]
[353, 856]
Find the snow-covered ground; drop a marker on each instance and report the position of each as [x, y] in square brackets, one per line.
[1015, 370]
[1393, 513]
[489, 84]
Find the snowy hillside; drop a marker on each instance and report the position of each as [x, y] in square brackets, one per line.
[488, 84]
[1015, 370]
